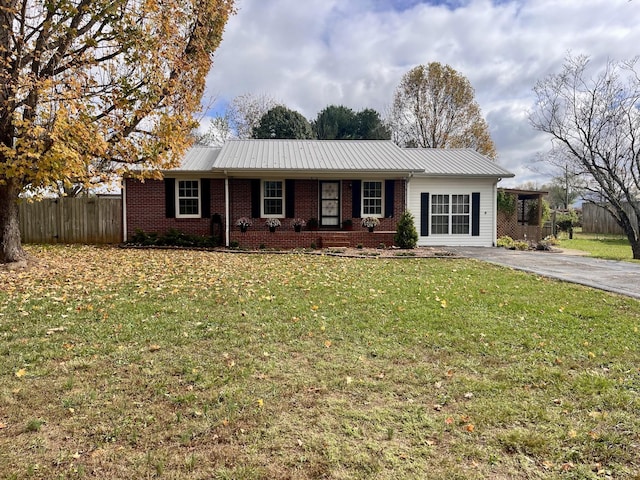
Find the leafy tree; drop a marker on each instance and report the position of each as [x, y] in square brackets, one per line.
[342, 123]
[336, 122]
[594, 123]
[371, 126]
[406, 234]
[434, 107]
[90, 88]
[281, 122]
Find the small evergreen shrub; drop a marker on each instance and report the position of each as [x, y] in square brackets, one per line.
[406, 234]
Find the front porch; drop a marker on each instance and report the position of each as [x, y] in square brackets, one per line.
[288, 238]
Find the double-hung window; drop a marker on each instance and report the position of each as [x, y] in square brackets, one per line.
[188, 199]
[440, 214]
[372, 200]
[460, 213]
[450, 213]
[273, 198]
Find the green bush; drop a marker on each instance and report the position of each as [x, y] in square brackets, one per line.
[174, 238]
[507, 202]
[406, 234]
[532, 213]
[565, 221]
[520, 245]
[506, 242]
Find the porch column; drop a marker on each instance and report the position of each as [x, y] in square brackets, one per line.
[227, 213]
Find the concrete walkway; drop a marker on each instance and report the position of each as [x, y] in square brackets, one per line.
[612, 276]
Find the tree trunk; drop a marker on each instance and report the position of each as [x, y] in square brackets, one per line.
[632, 234]
[10, 243]
[635, 248]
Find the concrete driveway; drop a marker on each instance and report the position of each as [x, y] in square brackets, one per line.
[609, 275]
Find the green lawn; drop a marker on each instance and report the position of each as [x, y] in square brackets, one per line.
[193, 365]
[612, 247]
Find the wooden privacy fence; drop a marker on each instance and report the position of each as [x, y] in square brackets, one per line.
[90, 220]
[596, 219]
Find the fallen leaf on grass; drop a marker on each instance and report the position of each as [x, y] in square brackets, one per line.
[470, 428]
[154, 348]
[21, 373]
[567, 466]
[53, 330]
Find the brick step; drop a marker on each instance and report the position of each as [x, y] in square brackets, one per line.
[335, 241]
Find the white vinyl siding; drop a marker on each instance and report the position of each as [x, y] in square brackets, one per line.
[457, 214]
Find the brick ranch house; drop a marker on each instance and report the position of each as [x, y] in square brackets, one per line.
[451, 194]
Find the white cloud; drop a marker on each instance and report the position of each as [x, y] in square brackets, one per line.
[316, 53]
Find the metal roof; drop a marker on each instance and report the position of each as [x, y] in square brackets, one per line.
[314, 155]
[199, 158]
[463, 162]
[335, 156]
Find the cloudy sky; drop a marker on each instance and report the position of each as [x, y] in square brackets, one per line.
[308, 54]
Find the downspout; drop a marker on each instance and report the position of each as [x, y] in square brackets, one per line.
[494, 213]
[227, 211]
[124, 210]
[406, 192]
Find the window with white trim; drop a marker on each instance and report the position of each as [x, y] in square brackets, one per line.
[188, 199]
[450, 210]
[460, 214]
[372, 200]
[440, 214]
[272, 198]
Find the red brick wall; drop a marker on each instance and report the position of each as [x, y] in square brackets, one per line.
[285, 237]
[146, 211]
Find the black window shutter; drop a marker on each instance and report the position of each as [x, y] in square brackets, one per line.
[170, 197]
[205, 198]
[389, 191]
[356, 189]
[255, 198]
[424, 214]
[290, 198]
[475, 214]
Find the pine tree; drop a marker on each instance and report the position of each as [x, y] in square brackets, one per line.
[406, 234]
